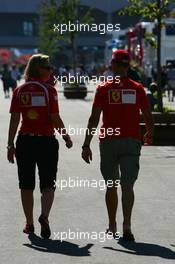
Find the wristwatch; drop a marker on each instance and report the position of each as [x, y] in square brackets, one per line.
[85, 146]
[66, 137]
[10, 146]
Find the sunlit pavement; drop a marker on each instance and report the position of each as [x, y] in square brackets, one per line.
[82, 209]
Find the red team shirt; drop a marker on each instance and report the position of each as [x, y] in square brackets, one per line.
[121, 104]
[35, 101]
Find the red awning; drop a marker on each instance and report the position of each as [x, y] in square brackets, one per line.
[5, 56]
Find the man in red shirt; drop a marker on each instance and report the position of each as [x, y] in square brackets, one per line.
[120, 140]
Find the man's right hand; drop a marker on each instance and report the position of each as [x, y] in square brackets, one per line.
[68, 141]
[148, 138]
[86, 154]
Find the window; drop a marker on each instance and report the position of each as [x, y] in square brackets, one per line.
[28, 28]
[170, 30]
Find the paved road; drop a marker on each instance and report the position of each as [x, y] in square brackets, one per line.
[83, 209]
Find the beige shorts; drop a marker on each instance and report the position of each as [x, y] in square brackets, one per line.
[120, 159]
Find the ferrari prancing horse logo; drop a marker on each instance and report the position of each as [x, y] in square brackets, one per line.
[25, 99]
[115, 96]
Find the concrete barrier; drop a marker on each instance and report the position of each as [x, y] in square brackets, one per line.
[164, 133]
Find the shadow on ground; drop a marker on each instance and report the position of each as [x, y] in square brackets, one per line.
[144, 249]
[56, 246]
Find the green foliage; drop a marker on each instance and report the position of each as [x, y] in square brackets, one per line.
[172, 13]
[70, 10]
[149, 37]
[151, 10]
[165, 109]
[48, 40]
[51, 13]
[146, 8]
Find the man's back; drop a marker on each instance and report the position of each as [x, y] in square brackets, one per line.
[121, 104]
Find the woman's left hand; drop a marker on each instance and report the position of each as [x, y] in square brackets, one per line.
[69, 143]
[11, 154]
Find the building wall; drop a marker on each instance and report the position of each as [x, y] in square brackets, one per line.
[13, 14]
[20, 20]
[19, 30]
[32, 6]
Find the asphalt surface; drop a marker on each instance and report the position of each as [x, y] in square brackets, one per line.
[82, 209]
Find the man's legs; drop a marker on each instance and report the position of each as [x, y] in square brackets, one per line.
[129, 167]
[127, 205]
[112, 203]
[110, 172]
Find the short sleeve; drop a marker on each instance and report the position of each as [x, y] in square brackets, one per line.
[53, 99]
[144, 101]
[98, 98]
[14, 107]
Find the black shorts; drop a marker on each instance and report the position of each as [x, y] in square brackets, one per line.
[41, 151]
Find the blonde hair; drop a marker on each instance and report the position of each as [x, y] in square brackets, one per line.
[33, 65]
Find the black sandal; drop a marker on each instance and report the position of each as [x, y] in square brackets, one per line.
[29, 229]
[116, 235]
[45, 228]
[128, 236]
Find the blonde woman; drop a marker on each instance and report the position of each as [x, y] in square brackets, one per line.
[36, 104]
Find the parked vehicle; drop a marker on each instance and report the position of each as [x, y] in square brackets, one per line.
[142, 42]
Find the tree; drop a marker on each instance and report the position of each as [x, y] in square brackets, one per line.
[48, 40]
[53, 15]
[70, 12]
[151, 10]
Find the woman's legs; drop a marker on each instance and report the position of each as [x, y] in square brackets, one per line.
[27, 203]
[47, 198]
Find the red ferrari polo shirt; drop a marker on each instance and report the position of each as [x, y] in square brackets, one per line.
[121, 104]
[35, 101]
